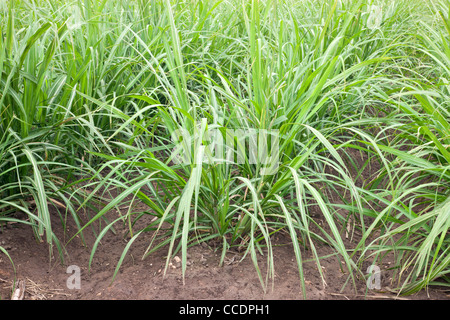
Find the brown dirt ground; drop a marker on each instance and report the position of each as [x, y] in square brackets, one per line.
[143, 279]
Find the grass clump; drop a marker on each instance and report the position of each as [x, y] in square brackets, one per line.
[133, 87]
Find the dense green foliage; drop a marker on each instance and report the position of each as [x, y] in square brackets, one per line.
[93, 92]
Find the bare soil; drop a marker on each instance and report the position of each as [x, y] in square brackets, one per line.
[139, 279]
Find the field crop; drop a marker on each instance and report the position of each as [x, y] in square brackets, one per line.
[346, 101]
